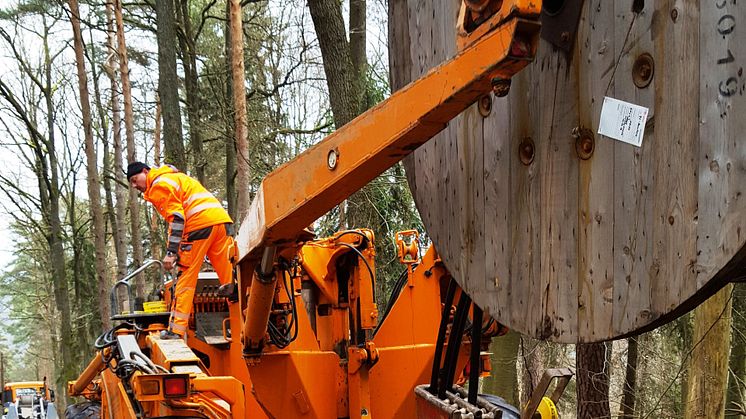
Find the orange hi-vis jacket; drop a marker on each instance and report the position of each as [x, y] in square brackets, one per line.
[174, 193]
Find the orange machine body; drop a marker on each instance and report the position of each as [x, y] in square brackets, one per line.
[174, 383]
[340, 354]
[344, 361]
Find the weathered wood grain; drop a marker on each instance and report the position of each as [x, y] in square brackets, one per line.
[633, 198]
[497, 219]
[583, 250]
[595, 54]
[721, 164]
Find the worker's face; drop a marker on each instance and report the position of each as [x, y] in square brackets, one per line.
[139, 181]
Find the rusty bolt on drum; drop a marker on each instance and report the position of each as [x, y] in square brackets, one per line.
[643, 70]
[485, 105]
[501, 87]
[585, 144]
[526, 151]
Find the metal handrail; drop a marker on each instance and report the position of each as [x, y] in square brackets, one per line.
[125, 282]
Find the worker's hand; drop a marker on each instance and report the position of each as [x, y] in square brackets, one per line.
[169, 261]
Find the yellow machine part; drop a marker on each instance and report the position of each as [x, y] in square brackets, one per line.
[547, 409]
[155, 307]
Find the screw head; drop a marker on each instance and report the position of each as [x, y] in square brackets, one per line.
[643, 70]
[526, 151]
[501, 87]
[331, 159]
[485, 105]
[585, 144]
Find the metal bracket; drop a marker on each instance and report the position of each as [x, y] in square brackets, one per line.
[559, 22]
[563, 375]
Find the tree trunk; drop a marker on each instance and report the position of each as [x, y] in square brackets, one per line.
[345, 64]
[155, 242]
[119, 229]
[736, 398]
[503, 380]
[630, 381]
[230, 128]
[129, 128]
[168, 84]
[94, 188]
[358, 43]
[532, 355]
[189, 62]
[239, 108]
[110, 218]
[45, 166]
[50, 189]
[708, 365]
[593, 381]
[157, 132]
[345, 93]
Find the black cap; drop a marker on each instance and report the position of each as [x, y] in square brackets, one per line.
[135, 167]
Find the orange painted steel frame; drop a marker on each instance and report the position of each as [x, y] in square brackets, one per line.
[296, 194]
[211, 396]
[320, 374]
[340, 365]
[337, 367]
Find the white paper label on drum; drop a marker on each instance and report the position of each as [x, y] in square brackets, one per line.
[623, 121]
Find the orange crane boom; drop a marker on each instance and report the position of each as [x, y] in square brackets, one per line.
[299, 192]
[296, 194]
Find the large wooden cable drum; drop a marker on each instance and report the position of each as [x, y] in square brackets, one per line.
[565, 234]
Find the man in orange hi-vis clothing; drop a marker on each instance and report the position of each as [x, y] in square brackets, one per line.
[198, 226]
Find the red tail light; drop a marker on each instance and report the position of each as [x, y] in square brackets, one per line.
[175, 386]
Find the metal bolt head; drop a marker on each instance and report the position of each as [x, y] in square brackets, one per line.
[485, 105]
[585, 143]
[643, 70]
[331, 159]
[526, 151]
[501, 87]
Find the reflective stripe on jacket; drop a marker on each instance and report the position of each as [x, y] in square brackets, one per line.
[174, 193]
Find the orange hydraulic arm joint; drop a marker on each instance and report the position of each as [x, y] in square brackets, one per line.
[262, 294]
[94, 368]
[497, 39]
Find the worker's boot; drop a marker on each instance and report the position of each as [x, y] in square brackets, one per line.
[167, 334]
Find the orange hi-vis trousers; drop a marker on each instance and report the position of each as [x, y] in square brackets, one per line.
[213, 242]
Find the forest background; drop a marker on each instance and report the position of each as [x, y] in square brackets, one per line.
[227, 90]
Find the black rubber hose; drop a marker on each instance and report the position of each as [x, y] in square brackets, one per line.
[476, 340]
[395, 292]
[454, 344]
[370, 271]
[440, 342]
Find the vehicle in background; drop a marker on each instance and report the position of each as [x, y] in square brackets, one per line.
[28, 400]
